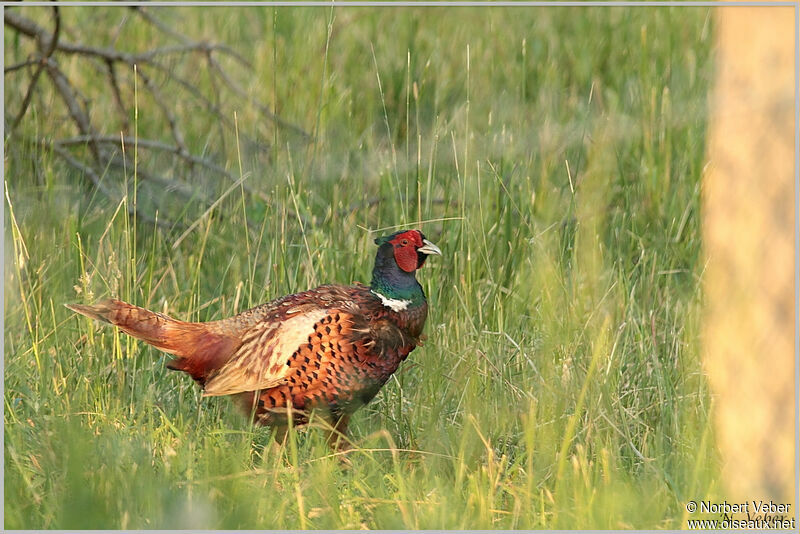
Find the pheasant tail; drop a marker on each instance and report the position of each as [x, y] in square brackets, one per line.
[199, 349]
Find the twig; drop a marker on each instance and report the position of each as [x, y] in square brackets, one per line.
[213, 108]
[68, 95]
[215, 93]
[262, 108]
[112, 79]
[115, 160]
[170, 186]
[21, 65]
[164, 147]
[31, 29]
[146, 15]
[35, 79]
[148, 66]
[159, 100]
[98, 183]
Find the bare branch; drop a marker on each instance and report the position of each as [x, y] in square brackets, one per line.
[56, 33]
[160, 102]
[130, 142]
[49, 52]
[31, 29]
[112, 79]
[21, 65]
[28, 94]
[151, 67]
[262, 108]
[214, 109]
[168, 185]
[98, 183]
[68, 95]
[149, 17]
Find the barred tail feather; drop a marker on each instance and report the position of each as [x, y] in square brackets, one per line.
[199, 349]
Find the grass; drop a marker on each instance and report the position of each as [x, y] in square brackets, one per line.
[553, 154]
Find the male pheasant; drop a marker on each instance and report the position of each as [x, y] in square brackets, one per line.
[329, 348]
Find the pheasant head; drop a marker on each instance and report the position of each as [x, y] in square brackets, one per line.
[398, 258]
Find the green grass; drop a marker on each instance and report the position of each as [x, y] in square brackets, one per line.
[555, 157]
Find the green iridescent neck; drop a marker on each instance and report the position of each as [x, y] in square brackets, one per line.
[412, 294]
[392, 282]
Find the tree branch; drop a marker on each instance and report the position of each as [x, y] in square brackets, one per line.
[26, 101]
[159, 79]
[98, 183]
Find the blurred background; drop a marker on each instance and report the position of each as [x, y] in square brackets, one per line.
[202, 161]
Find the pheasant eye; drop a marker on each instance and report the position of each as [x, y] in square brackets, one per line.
[404, 242]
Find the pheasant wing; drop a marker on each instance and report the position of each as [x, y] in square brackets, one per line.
[384, 334]
[260, 362]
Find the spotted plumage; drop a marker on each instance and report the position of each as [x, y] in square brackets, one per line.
[328, 349]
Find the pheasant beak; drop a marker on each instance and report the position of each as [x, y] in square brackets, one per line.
[429, 248]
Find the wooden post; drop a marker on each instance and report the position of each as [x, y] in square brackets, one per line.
[748, 230]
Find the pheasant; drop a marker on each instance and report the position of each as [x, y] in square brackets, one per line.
[328, 349]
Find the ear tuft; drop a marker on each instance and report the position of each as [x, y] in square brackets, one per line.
[380, 240]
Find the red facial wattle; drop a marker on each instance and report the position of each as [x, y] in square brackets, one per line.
[405, 250]
[406, 258]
